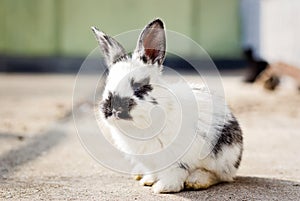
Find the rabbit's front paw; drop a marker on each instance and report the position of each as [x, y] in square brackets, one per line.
[138, 177]
[147, 180]
[167, 186]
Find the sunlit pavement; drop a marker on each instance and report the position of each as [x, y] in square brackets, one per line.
[41, 156]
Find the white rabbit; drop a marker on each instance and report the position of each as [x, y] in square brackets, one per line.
[133, 88]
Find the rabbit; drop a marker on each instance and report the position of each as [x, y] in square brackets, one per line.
[130, 93]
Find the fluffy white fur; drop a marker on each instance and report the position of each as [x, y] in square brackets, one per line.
[203, 168]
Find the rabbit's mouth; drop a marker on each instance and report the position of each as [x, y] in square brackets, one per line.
[118, 115]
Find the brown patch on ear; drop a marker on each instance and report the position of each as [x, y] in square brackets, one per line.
[153, 43]
[152, 53]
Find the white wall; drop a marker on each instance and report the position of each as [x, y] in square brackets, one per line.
[280, 30]
[278, 37]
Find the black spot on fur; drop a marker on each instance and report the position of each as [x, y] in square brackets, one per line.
[107, 106]
[119, 106]
[104, 47]
[121, 58]
[141, 88]
[183, 165]
[144, 59]
[153, 101]
[231, 133]
[238, 161]
[107, 38]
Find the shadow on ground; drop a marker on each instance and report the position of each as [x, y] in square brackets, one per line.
[33, 148]
[248, 188]
[104, 187]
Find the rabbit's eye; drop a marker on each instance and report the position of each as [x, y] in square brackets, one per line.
[144, 59]
[141, 87]
[143, 90]
[131, 103]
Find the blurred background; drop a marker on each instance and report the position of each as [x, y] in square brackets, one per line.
[55, 35]
[44, 42]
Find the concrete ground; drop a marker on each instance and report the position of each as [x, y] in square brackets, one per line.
[41, 157]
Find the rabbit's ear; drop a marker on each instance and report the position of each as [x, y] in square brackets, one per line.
[151, 46]
[111, 49]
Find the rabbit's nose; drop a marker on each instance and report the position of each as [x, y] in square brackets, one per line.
[116, 113]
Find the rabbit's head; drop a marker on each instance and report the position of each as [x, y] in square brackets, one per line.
[130, 91]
